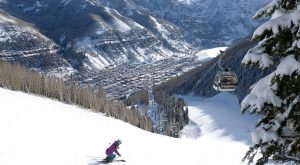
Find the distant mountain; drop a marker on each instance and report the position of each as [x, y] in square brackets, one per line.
[92, 34]
[206, 23]
[98, 35]
[22, 42]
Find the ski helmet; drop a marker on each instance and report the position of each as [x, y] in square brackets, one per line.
[119, 142]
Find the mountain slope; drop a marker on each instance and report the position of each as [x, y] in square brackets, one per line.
[94, 35]
[204, 23]
[33, 133]
[199, 81]
[207, 23]
[21, 42]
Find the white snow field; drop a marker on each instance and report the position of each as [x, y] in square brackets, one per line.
[40, 131]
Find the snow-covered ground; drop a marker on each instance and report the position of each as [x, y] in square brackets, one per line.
[218, 117]
[209, 53]
[39, 131]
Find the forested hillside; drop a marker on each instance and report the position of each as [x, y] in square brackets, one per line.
[199, 81]
[18, 78]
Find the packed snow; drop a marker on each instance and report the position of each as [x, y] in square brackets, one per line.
[219, 117]
[37, 131]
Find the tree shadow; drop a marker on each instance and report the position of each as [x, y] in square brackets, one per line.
[221, 115]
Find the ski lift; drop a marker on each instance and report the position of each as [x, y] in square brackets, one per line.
[225, 79]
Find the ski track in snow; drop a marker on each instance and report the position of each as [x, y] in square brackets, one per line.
[39, 131]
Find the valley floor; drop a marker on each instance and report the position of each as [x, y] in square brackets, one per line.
[39, 131]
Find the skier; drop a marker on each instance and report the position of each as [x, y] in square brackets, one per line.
[110, 151]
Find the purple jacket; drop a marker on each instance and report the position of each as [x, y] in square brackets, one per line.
[113, 148]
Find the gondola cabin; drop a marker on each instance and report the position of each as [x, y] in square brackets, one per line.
[225, 80]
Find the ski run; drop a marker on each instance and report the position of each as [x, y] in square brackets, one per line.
[41, 131]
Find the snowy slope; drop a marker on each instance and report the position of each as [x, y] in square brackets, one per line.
[37, 131]
[20, 41]
[209, 53]
[219, 117]
[13, 30]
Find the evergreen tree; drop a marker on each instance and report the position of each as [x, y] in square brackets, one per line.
[277, 96]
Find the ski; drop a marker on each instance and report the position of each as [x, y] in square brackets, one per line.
[114, 161]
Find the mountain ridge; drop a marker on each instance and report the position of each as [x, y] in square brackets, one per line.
[70, 23]
[132, 30]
